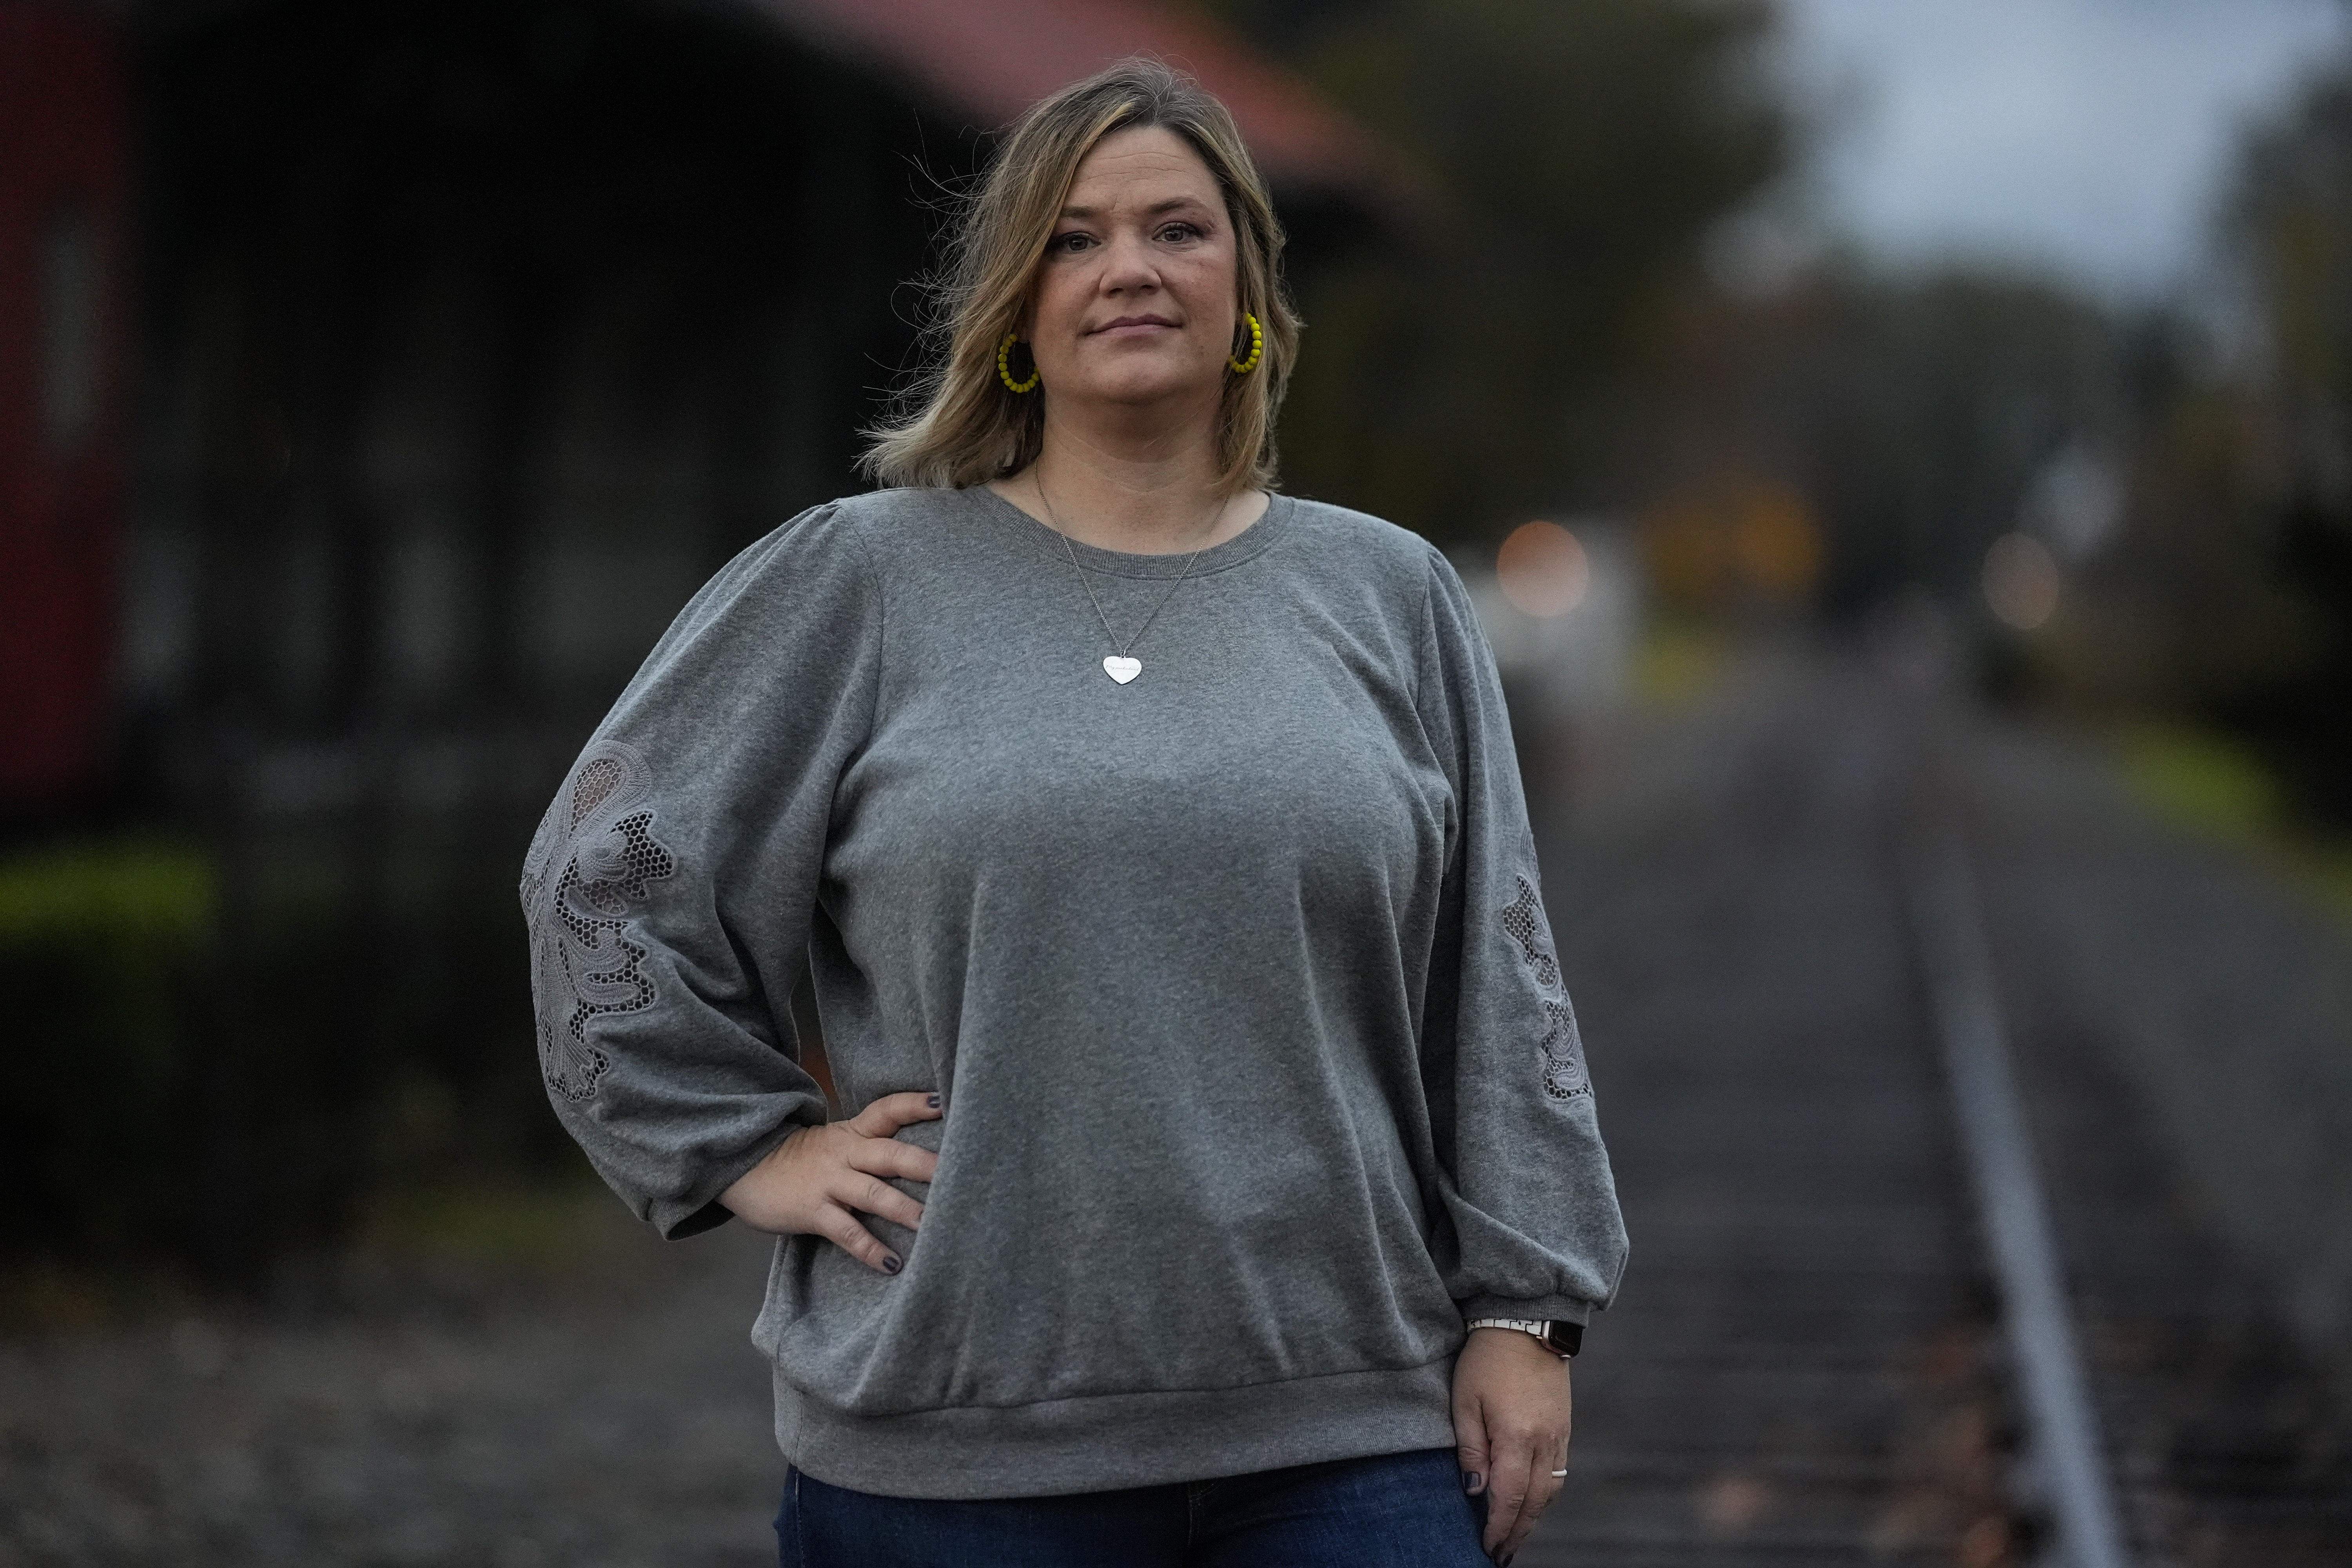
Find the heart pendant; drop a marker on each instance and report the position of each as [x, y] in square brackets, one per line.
[1122, 670]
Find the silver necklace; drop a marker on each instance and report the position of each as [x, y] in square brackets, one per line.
[1121, 665]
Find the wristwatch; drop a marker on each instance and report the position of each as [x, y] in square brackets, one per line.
[1563, 1340]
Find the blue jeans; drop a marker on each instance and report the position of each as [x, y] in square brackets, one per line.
[1397, 1511]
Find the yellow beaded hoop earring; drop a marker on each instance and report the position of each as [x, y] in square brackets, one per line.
[1005, 366]
[1257, 347]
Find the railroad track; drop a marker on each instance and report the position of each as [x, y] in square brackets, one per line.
[1809, 1363]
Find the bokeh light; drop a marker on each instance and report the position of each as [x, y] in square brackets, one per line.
[2020, 581]
[1543, 569]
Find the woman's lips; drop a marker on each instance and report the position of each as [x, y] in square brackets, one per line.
[1133, 326]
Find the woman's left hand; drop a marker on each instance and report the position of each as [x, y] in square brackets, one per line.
[1511, 1409]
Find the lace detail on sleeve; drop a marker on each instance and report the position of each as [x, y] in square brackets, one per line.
[1564, 1077]
[593, 858]
[1524, 920]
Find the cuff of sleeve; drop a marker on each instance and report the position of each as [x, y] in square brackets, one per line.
[678, 1221]
[709, 1216]
[1541, 1309]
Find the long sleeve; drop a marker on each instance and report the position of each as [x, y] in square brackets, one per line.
[1525, 1182]
[670, 889]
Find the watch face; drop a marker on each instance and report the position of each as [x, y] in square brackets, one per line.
[1566, 1339]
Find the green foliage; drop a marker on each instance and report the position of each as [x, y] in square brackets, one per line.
[223, 1057]
[1571, 158]
[100, 946]
[2289, 223]
[2218, 785]
[1679, 664]
[532, 1225]
[2201, 780]
[138, 893]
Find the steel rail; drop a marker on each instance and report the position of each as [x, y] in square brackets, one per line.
[2062, 1428]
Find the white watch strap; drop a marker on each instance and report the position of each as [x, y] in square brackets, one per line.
[1535, 1326]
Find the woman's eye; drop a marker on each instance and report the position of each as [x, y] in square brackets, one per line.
[1176, 231]
[1070, 242]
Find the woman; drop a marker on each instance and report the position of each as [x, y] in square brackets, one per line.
[1157, 846]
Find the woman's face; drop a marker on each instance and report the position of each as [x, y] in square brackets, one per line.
[1136, 298]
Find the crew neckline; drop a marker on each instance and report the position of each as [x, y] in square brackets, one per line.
[1218, 557]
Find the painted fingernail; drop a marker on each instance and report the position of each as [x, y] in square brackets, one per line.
[890, 1264]
[1472, 1482]
[933, 1102]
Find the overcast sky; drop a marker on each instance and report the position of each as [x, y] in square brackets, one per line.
[2091, 135]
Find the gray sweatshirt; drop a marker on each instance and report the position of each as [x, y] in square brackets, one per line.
[1259, 1076]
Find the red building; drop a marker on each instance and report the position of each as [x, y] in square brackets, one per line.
[63, 179]
[465, 339]
[356, 218]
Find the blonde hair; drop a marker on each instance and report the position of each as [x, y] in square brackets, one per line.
[960, 425]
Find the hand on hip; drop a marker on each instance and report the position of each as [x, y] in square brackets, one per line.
[818, 1180]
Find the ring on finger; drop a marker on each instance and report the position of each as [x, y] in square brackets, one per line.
[1557, 1474]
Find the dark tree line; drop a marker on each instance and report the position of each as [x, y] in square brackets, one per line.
[1570, 161]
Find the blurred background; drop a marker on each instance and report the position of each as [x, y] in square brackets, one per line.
[1844, 410]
